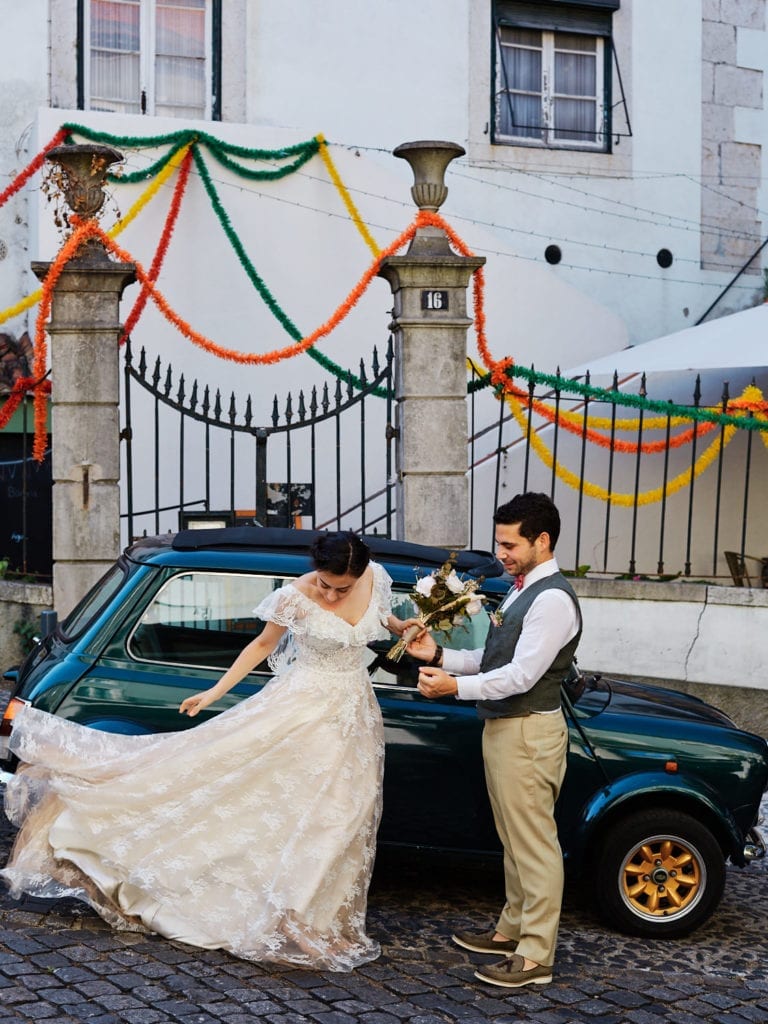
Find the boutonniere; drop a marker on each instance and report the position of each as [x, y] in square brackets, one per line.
[496, 617]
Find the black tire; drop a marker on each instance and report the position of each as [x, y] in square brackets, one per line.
[689, 867]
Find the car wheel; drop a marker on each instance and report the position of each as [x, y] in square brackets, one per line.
[659, 874]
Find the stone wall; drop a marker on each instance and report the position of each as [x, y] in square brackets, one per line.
[19, 603]
[711, 641]
[732, 84]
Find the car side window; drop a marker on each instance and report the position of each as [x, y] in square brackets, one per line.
[405, 672]
[201, 619]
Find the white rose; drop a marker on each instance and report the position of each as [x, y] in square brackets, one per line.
[424, 585]
[474, 606]
[453, 582]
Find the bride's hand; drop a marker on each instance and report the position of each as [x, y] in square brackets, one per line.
[197, 702]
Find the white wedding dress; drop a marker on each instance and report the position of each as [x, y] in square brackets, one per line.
[253, 832]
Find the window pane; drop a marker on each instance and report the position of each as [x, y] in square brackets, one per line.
[571, 41]
[575, 74]
[201, 619]
[115, 81]
[180, 67]
[575, 120]
[181, 29]
[114, 57]
[115, 24]
[521, 60]
[180, 82]
[520, 115]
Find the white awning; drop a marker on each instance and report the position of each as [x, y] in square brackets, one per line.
[736, 340]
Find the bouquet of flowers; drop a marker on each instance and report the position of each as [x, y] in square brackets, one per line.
[443, 600]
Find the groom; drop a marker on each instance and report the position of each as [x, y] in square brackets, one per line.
[516, 681]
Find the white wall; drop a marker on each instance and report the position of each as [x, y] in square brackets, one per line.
[676, 631]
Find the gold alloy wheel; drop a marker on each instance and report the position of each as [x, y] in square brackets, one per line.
[664, 876]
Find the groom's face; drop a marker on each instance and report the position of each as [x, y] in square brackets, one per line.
[517, 554]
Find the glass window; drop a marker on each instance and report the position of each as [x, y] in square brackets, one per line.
[94, 602]
[149, 57]
[202, 619]
[553, 73]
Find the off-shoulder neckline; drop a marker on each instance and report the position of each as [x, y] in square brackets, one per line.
[352, 625]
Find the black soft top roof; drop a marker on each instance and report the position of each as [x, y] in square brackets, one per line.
[474, 563]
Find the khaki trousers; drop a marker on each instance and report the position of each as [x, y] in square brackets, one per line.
[525, 762]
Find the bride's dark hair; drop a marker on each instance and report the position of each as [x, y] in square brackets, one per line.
[340, 554]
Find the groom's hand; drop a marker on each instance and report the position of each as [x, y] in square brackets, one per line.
[433, 682]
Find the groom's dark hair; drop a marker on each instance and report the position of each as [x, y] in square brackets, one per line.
[535, 513]
[340, 554]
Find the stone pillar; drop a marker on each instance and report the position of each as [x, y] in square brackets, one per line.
[84, 329]
[429, 284]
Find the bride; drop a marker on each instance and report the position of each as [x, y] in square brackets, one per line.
[254, 832]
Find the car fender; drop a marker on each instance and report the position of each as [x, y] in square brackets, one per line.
[643, 789]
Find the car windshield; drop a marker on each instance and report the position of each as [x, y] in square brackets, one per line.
[97, 598]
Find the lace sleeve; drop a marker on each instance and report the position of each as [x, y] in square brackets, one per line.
[383, 597]
[285, 607]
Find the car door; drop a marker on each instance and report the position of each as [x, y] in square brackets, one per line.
[434, 784]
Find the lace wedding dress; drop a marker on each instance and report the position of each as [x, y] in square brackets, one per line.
[253, 832]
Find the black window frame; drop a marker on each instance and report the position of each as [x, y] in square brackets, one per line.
[583, 17]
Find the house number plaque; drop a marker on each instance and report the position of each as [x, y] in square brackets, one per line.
[434, 300]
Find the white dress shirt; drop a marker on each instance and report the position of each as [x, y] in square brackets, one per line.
[550, 622]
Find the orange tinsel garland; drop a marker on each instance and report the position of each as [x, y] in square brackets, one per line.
[83, 231]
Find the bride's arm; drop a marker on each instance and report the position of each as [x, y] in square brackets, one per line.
[251, 656]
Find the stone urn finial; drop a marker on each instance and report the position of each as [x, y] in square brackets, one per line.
[83, 175]
[429, 161]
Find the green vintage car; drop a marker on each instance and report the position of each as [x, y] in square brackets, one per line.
[661, 788]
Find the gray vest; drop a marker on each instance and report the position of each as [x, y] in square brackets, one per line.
[500, 647]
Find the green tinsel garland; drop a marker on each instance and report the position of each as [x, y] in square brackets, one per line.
[567, 384]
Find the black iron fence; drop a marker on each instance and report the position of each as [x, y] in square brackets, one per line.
[192, 457]
[644, 493]
[25, 500]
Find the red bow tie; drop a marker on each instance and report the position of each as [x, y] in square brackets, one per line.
[519, 581]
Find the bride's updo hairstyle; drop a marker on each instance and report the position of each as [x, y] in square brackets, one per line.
[340, 554]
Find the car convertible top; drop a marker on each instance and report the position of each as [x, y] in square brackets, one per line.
[472, 563]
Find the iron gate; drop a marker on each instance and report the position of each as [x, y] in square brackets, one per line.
[192, 458]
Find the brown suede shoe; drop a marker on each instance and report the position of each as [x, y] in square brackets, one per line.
[482, 942]
[509, 973]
